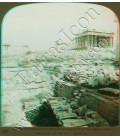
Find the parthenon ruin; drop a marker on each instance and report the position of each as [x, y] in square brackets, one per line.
[92, 38]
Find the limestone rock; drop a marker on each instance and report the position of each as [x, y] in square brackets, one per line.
[74, 123]
[74, 105]
[65, 115]
[66, 89]
[81, 111]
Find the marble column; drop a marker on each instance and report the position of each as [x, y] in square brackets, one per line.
[89, 41]
[92, 38]
[96, 41]
[110, 41]
[106, 42]
[86, 41]
[82, 41]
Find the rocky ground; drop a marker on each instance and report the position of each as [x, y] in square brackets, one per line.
[80, 91]
[15, 91]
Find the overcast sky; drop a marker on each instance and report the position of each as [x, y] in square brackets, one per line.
[37, 25]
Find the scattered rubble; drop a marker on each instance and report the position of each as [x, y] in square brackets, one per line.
[92, 77]
[76, 102]
[78, 94]
[81, 110]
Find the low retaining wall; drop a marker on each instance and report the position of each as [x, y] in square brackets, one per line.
[106, 108]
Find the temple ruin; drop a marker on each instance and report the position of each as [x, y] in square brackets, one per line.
[92, 38]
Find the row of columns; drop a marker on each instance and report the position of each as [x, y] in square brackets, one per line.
[7, 49]
[9, 52]
[94, 40]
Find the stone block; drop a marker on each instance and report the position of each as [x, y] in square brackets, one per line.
[74, 122]
[65, 89]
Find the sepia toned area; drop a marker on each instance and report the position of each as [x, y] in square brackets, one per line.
[72, 83]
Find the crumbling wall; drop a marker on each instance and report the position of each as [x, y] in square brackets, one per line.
[106, 108]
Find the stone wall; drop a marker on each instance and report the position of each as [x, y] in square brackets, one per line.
[106, 108]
